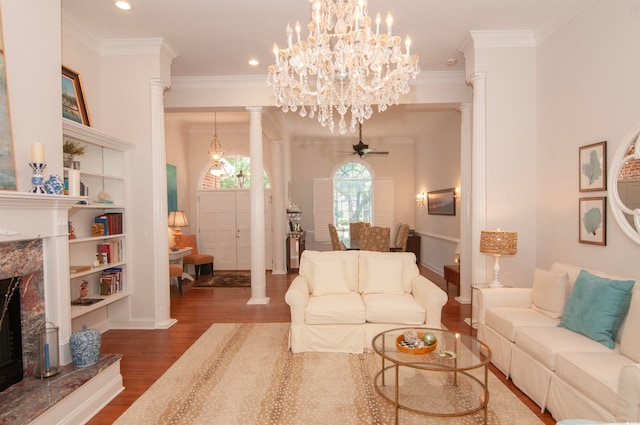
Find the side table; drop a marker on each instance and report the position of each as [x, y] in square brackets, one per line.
[452, 276]
[475, 286]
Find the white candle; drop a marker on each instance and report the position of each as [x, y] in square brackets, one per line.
[407, 43]
[37, 153]
[74, 182]
[389, 24]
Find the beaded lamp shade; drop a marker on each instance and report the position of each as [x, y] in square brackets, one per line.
[498, 242]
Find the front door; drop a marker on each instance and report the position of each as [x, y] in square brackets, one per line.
[224, 218]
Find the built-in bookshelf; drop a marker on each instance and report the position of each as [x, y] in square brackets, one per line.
[98, 230]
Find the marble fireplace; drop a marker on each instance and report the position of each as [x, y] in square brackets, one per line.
[34, 246]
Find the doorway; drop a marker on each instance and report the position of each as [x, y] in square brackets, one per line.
[224, 230]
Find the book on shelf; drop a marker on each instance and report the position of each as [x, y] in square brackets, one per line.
[102, 219]
[112, 223]
[114, 274]
[112, 249]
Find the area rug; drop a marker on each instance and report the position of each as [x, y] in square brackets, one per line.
[245, 374]
[226, 280]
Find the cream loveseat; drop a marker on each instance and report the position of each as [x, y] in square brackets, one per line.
[341, 299]
[553, 340]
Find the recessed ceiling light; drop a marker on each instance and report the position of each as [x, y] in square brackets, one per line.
[254, 62]
[124, 5]
[452, 61]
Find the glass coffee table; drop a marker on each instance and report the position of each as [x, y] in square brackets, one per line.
[449, 381]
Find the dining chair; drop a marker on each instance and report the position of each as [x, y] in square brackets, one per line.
[401, 239]
[376, 238]
[335, 240]
[355, 230]
[195, 258]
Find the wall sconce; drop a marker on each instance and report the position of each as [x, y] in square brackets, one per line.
[456, 193]
[420, 198]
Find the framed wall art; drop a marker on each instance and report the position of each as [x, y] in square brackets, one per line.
[74, 106]
[7, 161]
[592, 219]
[593, 167]
[441, 202]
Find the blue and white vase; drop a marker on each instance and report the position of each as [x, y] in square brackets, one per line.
[55, 185]
[85, 347]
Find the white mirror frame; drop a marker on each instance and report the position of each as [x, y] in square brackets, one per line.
[618, 209]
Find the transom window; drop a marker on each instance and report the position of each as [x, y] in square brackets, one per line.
[352, 190]
[233, 173]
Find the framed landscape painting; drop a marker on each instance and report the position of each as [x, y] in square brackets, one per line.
[7, 161]
[592, 219]
[441, 202]
[593, 167]
[73, 104]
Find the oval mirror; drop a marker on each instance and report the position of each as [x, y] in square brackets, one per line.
[624, 184]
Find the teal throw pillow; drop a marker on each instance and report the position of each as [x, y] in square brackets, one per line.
[596, 307]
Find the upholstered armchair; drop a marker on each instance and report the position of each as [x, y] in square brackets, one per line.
[376, 238]
[336, 245]
[355, 230]
[195, 258]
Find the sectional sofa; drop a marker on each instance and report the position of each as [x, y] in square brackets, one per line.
[571, 342]
[341, 299]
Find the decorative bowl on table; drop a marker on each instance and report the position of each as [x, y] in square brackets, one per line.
[409, 343]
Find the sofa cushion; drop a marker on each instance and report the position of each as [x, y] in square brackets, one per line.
[596, 307]
[629, 333]
[334, 309]
[406, 259]
[381, 275]
[544, 343]
[310, 259]
[393, 308]
[328, 277]
[549, 292]
[593, 374]
[507, 320]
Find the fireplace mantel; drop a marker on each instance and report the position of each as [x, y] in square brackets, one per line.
[25, 216]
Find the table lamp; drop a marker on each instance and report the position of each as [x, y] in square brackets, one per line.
[498, 243]
[177, 219]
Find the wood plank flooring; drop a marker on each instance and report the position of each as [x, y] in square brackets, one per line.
[148, 354]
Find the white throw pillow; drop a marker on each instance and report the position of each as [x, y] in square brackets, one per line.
[328, 276]
[383, 275]
[549, 292]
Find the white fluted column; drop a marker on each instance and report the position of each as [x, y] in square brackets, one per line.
[279, 207]
[258, 279]
[160, 274]
[466, 259]
[479, 179]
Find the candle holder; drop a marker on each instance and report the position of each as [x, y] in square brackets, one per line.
[37, 179]
[48, 351]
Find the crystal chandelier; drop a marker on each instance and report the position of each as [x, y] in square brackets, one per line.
[215, 148]
[344, 64]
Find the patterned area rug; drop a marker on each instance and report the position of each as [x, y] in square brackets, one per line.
[226, 280]
[244, 374]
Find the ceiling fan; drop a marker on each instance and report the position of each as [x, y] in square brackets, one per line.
[361, 149]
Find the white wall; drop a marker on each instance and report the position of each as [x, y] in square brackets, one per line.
[32, 63]
[437, 167]
[509, 62]
[588, 91]
[177, 152]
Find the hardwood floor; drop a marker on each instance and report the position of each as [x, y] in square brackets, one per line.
[148, 354]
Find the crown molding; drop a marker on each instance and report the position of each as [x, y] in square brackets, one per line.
[138, 46]
[564, 16]
[500, 39]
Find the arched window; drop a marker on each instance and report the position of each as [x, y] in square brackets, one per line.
[233, 173]
[352, 194]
